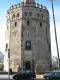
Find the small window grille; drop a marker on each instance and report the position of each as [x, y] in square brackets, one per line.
[18, 15]
[42, 16]
[28, 22]
[40, 24]
[30, 13]
[6, 47]
[38, 14]
[49, 47]
[25, 13]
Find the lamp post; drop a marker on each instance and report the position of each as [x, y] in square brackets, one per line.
[55, 33]
[9, 63]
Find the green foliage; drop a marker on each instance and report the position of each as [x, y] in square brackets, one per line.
[1, 67]
[54, 66]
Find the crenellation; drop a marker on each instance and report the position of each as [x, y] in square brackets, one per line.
[12, 7]
[41, 6]
[45, 8]
[37, 5]
[18, 5]
[8, 11]
[15, 6]
[22, 4]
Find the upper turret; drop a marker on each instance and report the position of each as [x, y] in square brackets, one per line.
[28, 1]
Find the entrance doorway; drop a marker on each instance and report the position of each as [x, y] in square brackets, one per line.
[28, 65]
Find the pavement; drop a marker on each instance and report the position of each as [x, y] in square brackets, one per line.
[39, 77]
[6, 77]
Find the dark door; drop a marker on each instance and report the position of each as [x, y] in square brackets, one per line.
[28, 65]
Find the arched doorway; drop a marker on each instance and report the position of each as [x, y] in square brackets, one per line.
[27, 65]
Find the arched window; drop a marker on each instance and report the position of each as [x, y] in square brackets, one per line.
[13, 16]
[6, 47]
[15, 24]
[18, 15]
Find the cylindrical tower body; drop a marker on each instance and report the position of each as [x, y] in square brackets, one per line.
[29, 39]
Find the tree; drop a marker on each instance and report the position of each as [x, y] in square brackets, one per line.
[1, 67]
[54, 66]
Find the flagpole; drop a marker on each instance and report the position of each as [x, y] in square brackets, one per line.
[55, 33]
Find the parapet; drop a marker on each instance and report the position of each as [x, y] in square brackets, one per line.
[22, 4]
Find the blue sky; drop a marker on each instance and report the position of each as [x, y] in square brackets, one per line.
[4, 6]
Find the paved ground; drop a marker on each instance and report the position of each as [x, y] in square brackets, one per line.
[6, 77]
[39, 77]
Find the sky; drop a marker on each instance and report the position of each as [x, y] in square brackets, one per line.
[4, 6]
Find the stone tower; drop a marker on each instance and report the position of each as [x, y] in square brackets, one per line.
[28, 37]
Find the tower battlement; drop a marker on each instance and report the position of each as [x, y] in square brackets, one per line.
[40, 6]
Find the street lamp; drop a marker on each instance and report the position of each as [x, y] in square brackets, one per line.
[55, 32]
[9, 63]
